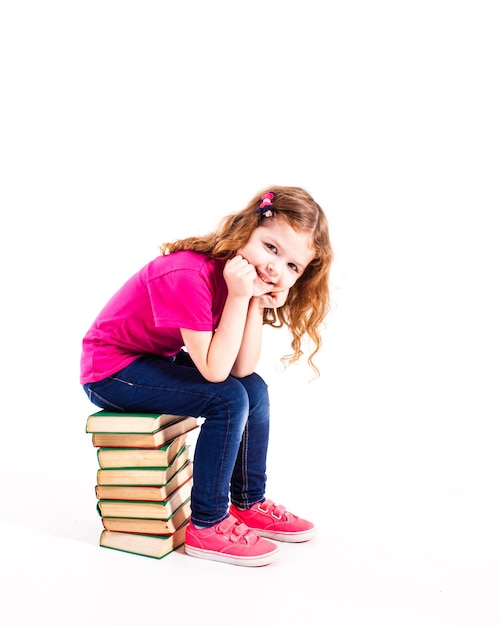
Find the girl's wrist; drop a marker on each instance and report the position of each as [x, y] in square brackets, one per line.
[256, 305]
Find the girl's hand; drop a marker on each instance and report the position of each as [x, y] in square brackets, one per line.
[239, 275]
[273, 300]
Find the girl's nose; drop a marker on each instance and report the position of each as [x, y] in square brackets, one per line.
[274, 270]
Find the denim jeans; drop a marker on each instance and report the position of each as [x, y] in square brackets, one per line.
[231, 449]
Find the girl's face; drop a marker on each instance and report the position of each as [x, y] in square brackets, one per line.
[279, 254]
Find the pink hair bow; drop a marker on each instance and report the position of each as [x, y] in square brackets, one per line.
[265, 207]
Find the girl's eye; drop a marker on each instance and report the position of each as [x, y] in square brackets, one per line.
[272, 248]
[293, 267]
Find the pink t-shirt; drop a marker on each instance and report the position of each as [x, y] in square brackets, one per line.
[180, 290]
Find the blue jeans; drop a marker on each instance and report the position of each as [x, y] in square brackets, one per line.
[231, 449]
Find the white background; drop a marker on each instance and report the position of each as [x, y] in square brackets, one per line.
[126, 124]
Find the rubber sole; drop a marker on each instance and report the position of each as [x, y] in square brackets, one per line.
[246, 561]
[297, 537]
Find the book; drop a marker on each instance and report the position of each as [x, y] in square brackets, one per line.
[145, 440]
[141, 457]
[155, 493]
[149, 526]
[145, 545]
[150, 510]
[142, 475]
[107, 422]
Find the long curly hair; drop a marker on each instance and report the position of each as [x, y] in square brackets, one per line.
[308, 302]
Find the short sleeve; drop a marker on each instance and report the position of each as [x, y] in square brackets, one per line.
[182, 297]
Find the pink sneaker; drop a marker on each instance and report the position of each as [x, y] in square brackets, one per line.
[275, 522]
[229, 542]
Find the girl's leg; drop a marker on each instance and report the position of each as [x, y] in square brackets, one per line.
[248, 482]
[158, 385]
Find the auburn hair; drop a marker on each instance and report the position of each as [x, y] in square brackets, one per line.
[307, 303]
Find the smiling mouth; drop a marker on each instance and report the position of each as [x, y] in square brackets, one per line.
[264, 278]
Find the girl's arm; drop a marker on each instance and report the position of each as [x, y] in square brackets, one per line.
[214, 354]
[249, 353]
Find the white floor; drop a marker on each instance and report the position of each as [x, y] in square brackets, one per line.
[124, 125]
[404, 496]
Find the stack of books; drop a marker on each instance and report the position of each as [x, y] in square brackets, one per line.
[144, 480]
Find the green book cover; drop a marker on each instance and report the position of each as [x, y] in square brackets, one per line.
[151, 475]
[139, 423]
[146, 509]
[163, 456]
[169, 515]
[153, 546]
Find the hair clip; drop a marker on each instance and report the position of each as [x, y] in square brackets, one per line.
[266, 206]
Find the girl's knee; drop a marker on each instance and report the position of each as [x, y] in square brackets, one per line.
[231, 398]
[236, 398]
[256, 390]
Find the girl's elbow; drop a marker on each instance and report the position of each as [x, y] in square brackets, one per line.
[215, 376]
[241, 373]
[215, 379]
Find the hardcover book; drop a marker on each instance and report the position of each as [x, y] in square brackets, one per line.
[149, 493]
[142, 475]
[149, 510]
[149, 526]
[145, 545]
[107, 422]
[141, 457]
[145, 440]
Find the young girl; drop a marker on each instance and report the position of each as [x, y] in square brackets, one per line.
[183, 336]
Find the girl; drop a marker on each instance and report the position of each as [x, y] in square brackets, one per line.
[183, 336]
